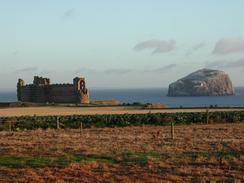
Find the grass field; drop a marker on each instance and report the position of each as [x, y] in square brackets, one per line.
[198, 153]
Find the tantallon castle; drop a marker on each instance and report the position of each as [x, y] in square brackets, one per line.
[42, 91]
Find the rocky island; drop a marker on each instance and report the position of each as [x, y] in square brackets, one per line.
[204, 82]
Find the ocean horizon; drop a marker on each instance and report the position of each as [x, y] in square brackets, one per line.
[154, 95]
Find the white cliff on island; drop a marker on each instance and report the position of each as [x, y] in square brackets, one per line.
[204, 82]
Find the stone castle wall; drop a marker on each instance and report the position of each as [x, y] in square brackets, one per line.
[41, 91]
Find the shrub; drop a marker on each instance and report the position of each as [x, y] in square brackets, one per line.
[120, 120]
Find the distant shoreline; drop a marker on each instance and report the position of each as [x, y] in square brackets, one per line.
[154, 96]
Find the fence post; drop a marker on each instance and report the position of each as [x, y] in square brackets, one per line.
[81, 127]
[57, 122]
[172, 130]
[35, 124]
[10, 125]
[207, 115]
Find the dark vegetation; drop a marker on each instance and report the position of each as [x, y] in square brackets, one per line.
[119, 120]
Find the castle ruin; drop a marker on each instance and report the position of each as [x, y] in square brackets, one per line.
[42, 91]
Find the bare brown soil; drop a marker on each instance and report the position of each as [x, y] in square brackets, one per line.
[43, 111]
[198, 153]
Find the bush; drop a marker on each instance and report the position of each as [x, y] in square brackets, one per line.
[120, 120]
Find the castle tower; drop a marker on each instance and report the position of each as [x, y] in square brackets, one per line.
[81, 90]
[20, 84]
[40, 81]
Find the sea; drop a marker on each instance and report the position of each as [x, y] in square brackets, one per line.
[155, 95]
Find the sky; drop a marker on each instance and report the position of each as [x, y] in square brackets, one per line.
[119, 44]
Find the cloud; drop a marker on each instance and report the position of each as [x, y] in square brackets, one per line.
[195, 48]
[68, 13]
[228, 46]
[226, 64]
[28, 69]
[122, 71]
[162, 69]
[106, 71]
[117, 71]
[84, 70]
[158, 46]
[165, 68]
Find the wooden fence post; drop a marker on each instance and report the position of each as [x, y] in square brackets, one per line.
[81, 128]
[58, 126]
[10, 125]
[172, 130]
[207, 116]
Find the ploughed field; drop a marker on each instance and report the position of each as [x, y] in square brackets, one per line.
[131, 154]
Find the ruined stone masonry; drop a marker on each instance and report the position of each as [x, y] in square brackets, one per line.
[42, 91]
